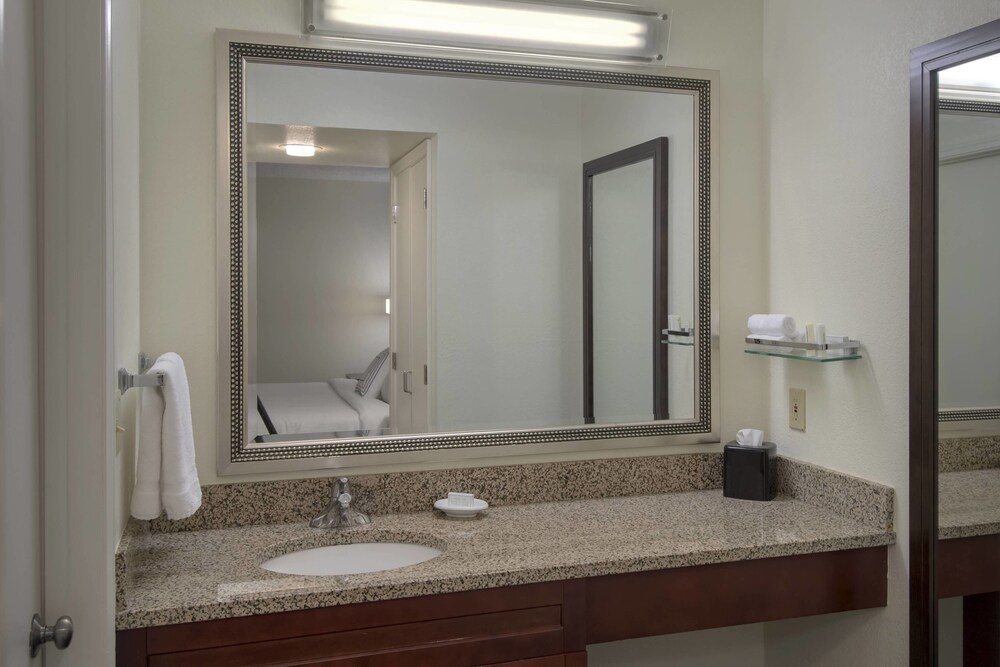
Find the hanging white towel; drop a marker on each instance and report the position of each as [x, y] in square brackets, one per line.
[166, 477]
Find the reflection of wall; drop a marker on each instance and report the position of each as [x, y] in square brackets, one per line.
[322, 275]
[613, 120]
[838, 247]
[623, 294]
[969, 235]
[508, 223]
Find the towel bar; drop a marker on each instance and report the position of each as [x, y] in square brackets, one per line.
[127, 380]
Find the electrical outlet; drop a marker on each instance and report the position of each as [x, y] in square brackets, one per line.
[797, 409]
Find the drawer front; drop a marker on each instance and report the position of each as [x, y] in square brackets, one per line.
[467, 640]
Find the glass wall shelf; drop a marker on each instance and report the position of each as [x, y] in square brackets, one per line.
[837, 348]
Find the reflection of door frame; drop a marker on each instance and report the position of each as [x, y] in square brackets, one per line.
[655, 150]
[424, 151]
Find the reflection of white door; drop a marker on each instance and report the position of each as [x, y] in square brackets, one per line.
[409, 318]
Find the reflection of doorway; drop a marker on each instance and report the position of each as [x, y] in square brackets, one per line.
[408, 338]
[631, 193]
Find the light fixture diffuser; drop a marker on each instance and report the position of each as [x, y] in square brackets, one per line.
[569, 28]
[299, 150]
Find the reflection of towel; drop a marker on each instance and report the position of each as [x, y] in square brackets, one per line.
[166, 477]
[772, 327]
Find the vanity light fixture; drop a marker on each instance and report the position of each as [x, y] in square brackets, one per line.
[299, 150]
[590, 29]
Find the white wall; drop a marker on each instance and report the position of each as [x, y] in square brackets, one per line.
[126, 229]
[968, 234]
[322, 268]
[836, 88]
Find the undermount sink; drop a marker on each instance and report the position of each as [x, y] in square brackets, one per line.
[344, 559]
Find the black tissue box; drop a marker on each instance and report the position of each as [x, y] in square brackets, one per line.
[750, 473]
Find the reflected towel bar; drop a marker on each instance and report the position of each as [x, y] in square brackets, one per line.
[127, 380]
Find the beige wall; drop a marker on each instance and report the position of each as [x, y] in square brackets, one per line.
[177, 100]
[125, 221]
[178, 214]
[836, 90]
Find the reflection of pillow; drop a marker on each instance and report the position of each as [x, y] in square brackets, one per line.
[375, 373]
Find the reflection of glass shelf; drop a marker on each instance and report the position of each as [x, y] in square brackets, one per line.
[837, 350]
[685, 335]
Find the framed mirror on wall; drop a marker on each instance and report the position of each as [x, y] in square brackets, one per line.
[955, 373]
[400, 244]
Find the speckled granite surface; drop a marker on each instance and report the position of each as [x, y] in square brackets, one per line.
[968, 503]
[855, 498]
[292, 501]
[183, 576]
[977, 453]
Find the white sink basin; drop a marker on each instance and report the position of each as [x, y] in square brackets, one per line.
[351, 558]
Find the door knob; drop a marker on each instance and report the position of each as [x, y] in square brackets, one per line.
[60, 634]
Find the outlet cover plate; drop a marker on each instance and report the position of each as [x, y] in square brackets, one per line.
[797, 409]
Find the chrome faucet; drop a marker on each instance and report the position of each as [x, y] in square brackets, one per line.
[339, 513]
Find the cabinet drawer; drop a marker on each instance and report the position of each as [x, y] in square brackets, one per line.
[477, 639]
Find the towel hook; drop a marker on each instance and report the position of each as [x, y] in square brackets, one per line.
[127, 380]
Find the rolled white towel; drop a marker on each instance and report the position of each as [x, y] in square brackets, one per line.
[779, 326]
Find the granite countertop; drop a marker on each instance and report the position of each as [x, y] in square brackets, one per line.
[968, 503]
[178, 577]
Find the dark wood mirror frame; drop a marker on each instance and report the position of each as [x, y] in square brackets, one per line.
[925, 63]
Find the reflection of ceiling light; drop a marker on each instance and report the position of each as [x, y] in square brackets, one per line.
[969, 94]
[387, 305]
[574, 28]
[299, 150]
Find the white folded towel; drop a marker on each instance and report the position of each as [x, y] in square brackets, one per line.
[775, 327]
[166, 477]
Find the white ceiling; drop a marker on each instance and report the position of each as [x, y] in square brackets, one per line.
[335, 146]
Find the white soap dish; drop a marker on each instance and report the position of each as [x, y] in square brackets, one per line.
[460, 506]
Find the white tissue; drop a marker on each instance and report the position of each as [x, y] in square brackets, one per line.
[750, 437]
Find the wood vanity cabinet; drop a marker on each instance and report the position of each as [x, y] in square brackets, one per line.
[538, 625]
[535, 625]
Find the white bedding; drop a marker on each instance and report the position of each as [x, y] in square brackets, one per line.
[320, 407]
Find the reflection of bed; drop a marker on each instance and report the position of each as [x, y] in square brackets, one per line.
[315, 408]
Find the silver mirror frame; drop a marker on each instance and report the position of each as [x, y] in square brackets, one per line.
[233, 51]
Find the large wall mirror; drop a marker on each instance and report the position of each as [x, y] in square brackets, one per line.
[955, 374]
[424, 253]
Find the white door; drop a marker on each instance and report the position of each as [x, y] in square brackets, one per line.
[78, 383]
[20, 471]
[409, 285]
